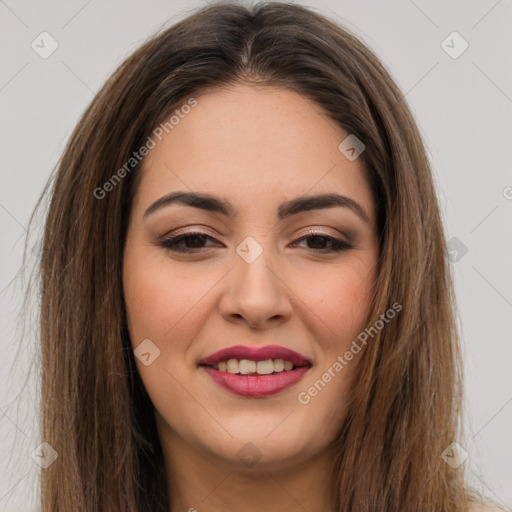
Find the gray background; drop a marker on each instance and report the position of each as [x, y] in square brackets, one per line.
[463, 106]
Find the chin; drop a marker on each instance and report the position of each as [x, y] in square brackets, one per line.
[263, 453]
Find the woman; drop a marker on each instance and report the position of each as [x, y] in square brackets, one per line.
[246, 300]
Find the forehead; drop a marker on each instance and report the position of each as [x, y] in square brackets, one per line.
[255, 144]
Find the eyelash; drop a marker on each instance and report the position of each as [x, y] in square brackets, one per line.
[168, 243]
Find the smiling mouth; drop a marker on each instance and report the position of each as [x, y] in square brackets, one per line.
[248, 371]
[254, 379]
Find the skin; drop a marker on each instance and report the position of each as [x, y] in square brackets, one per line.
[255, 147]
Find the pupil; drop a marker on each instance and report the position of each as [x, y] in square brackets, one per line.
[318, 239]
[196, 240]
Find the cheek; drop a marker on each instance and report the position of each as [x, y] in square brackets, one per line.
[162, 303]
[161, 298]
[343, 304]
[341, 297]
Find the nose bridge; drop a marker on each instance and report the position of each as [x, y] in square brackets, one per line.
[255, 292]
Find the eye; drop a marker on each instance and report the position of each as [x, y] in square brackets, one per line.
[319, 241]
[193, 242]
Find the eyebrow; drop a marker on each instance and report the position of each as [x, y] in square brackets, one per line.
[300, 204]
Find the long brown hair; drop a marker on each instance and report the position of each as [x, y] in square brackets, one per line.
[95, 412]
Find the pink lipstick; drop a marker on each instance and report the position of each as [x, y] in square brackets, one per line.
[255, 372]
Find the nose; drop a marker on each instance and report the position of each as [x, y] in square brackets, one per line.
[256, 294]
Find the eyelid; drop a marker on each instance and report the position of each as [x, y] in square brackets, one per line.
[311, 231]
[190, 230]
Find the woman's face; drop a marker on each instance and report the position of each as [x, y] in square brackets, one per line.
[250, 276]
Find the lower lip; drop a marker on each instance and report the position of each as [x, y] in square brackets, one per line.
[261, 385]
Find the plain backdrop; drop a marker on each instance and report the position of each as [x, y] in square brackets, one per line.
[461, 98]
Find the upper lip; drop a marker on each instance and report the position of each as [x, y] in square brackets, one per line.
[256, 354]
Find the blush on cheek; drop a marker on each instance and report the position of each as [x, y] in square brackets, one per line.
[343, 306]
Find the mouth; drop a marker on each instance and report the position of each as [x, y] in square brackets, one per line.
[247, 371]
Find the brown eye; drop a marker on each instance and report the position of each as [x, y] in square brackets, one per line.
[324, 243]
[188, 242]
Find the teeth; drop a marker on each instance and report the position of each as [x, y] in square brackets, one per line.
[278, 365]
[265, 367]
[232, 365]
[245, 367]
[248, 367]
